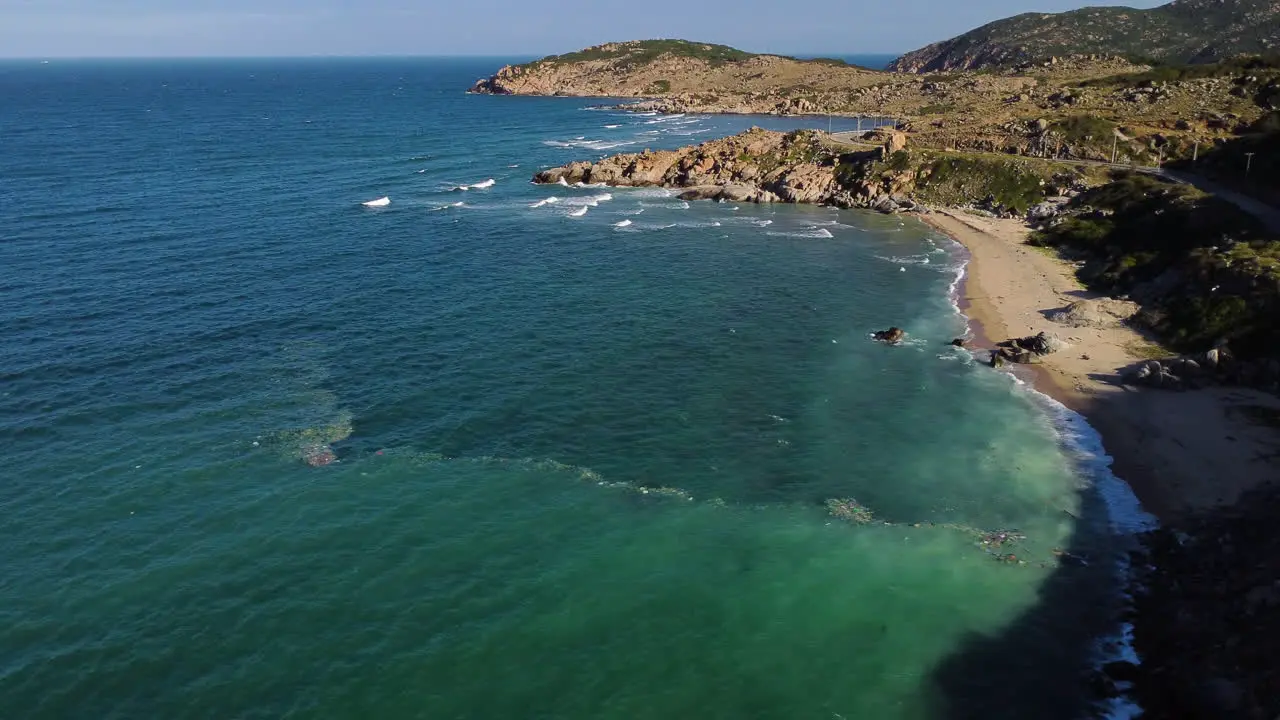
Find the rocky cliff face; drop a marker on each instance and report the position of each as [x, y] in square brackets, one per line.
[1182, 31]
[800, 167]
[756, 166]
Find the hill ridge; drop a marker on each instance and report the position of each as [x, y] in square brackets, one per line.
[1186, 31]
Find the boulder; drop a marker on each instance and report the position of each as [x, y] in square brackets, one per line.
[885, 204]
[1043, 211]
[806, 183]
[702, 192]
[1094, 313]
[893, 335]
[737, 192]
[1040, 344]
[894, 142]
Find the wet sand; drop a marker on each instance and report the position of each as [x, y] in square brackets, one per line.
[1181, 452]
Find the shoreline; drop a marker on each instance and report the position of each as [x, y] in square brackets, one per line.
[626, 100]
[1180, 453]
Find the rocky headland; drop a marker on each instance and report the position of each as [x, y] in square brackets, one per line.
[1094, 106]
[806, 167]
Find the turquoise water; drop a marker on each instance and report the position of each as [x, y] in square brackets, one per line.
[582, 468]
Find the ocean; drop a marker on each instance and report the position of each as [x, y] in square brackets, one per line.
[600, 456]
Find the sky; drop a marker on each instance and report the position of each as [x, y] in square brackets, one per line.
[181, 28]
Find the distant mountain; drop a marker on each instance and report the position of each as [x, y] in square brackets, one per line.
[1191, 31]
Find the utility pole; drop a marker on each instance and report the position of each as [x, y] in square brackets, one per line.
[828, 121]
[1195, 152]
[1248, 162]
[1114, 140]
[859, 125]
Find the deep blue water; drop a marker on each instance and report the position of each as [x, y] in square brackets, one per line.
[583, 457]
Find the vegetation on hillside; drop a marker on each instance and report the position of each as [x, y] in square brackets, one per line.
[1178, 72]
[641, 52]
[635, 53]
[1009, 185]
[1190, 31]
[1249, 161]
[1203, 270]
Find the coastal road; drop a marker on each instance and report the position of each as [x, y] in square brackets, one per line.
[1269, 215]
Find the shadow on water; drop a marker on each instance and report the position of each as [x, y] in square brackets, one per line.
[1038, 666]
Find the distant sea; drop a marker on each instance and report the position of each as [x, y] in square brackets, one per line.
[587, 437]
[873, 61]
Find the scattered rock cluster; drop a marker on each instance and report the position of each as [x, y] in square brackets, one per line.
[1216, 366]
[1100, 313]
[1026, 351]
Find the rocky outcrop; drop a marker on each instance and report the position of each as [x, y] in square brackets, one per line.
[1027, 350]
[756, 166]
[1218, 366]
[893, 335]
[880, 172]
[1101, 313]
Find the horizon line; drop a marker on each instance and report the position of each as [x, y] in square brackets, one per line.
[369, 56]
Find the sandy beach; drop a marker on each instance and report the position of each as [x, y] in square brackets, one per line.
[1181, 452]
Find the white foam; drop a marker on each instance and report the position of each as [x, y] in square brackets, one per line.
[1125, 516]
[579, 212]
[380, 202]
[624, 223]
[589, 200]
[482, 185]
[667, 118]
[611, 127]
[547, 201]
[563, 182]
[582, 142]
[648, 192]
[906, 259]
[438, 208]
[814, 233]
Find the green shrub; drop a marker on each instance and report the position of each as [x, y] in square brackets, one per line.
[659, 87]
[1225, 269]
[646, 51]
[1082, 128]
